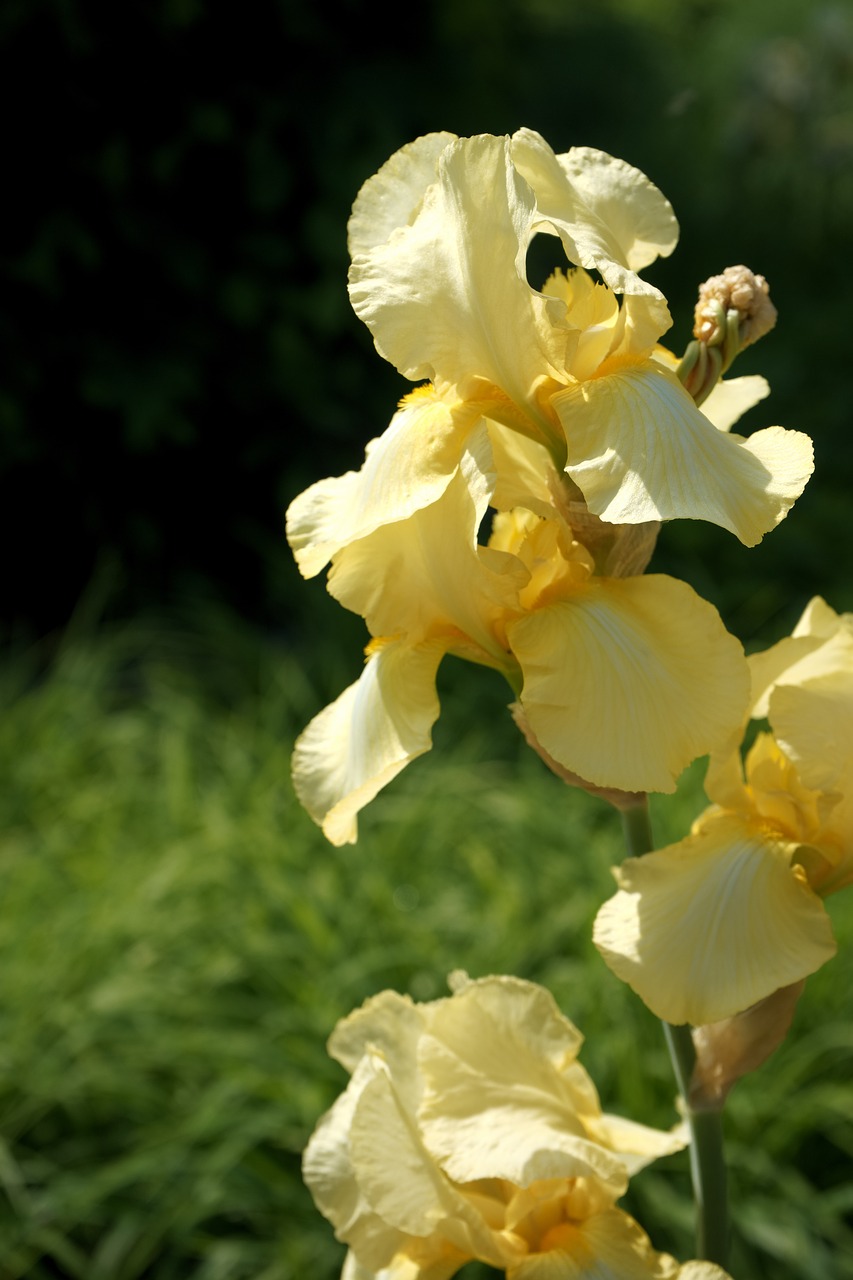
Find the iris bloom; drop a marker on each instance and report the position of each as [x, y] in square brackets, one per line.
[439, 239]
[469, 1130]
[622, 678]
[707, 927]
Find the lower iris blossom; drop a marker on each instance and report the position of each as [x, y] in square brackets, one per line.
[602, 658]
[710, 926]
[469, 1130]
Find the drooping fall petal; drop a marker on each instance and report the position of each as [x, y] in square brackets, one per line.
[610, 688]
[707, 927]
[639, 449]
[363, 739]
[426, 576]
[405, 469]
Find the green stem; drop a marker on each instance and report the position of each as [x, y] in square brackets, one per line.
[707, 1160]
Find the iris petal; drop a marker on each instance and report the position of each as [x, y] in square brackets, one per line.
[447, 295]
[607, 1246]
[610, 218]
[328, 1170]
[639, 449]
[406, 468]
[610, 687]
[405, 1185]
[705, 928]
[391, 198]
[363, 739]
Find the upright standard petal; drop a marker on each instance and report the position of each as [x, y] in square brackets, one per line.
[707, 927]
[420, 1145]
[408, 1190]
[328, 1170]
[612, 218]
[392, 197]
[363, 739]
[610, 687]
[503, 1094]
[639, 449]
[447, 296]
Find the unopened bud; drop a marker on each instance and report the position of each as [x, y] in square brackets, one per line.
[734, 309]
[740, 291]
[726, 1051]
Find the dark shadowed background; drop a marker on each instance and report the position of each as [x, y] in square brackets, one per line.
[180, 354]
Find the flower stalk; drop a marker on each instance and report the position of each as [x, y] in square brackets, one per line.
[707, 1158]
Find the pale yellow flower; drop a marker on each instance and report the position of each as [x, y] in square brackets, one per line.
[707, 927]
[439, 240]
[602, 658]
[469, 1130]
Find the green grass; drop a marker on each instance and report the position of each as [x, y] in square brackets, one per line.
[177, 941]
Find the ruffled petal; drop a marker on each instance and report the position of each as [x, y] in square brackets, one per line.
[391, 198]
[407, 1188]
[357, 744]
[504, 1096]
[405, 469]
[639, 449]
[446, 296]
[707, 927]
[391, 1024]
[610, 680]
[477, 1126]
[610, 218]
[637, 215]
[521, 1013]
[331, 1179]
[819, 644]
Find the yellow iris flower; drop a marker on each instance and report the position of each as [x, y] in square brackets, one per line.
[439, 239]
[603, 659]
[469, 1130]
[707, 927]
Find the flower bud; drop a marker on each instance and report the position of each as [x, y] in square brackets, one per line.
[737, 290]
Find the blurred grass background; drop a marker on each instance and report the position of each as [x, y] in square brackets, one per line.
[176, 938]
[177, 941]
